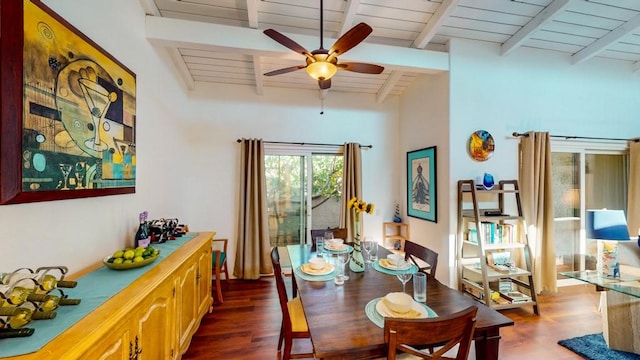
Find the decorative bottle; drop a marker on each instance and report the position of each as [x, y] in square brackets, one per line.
[40, 280]
[357, 260]
[143, 237]
[14, 317]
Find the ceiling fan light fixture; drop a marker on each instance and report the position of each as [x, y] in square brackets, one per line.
[321, 70]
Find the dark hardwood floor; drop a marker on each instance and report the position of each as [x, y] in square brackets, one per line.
[246, 326]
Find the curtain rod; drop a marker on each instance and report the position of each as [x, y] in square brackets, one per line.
[517, 134]
[301, 143]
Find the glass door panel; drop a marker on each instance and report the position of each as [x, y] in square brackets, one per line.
[605, 187]
[566, 207]
[326, 190]
[583, 180]
[286, 198]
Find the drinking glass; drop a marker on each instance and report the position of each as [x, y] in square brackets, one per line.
[404, 276]
[343, 260]
[319, 246]
[328, 235]
[339, 279]
[374, 252]
[368, 245]
[420, 287]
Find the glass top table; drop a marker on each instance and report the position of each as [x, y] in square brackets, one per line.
[625, 284]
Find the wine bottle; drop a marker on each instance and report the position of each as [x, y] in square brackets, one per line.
[43, 282]
[38, 312]
[13, 295]
[143, 237]
[66, 301]
[14, 317]
[13, 333]
[44, 302]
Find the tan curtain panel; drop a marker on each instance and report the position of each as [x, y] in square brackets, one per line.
[253, 246]
[351, 185]
[537, 207]
[633, 205]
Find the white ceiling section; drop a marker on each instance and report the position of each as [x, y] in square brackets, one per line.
[221, 41]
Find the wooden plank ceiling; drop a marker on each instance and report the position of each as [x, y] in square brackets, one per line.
[221, 41]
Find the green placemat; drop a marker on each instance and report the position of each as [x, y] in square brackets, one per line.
[376, 265]
[376, 318]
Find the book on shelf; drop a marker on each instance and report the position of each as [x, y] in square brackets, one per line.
[504, 269]
[475, 292]
[500, 260]
[493, 233]
[516, 297]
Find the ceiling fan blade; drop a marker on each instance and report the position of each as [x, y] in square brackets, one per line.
[324, 84]
[286, 42]
[285, 70]
[351, 38]
[361, 67]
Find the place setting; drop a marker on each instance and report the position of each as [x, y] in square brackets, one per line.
[393, 264]
[316, 269]
[397, 305]
[337, 246]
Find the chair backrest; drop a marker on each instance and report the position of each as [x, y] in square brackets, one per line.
[340, 233]
[415, 251]
[450, 330]
[282, 290]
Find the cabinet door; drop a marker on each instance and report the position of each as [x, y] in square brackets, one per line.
[117, 346]
[204, 300]
[186, 304]
[155, 324]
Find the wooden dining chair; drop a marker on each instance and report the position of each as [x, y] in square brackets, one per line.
[294, 323]
[415, 252]
[338, 233]
[438, 334]
[219, 266]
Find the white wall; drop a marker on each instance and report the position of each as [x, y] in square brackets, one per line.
[187, 155]
[425, 123]
[527, 90]
[81, 232]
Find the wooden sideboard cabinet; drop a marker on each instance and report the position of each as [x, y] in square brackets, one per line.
[153, 318]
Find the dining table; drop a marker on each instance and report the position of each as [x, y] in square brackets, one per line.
[343, 325]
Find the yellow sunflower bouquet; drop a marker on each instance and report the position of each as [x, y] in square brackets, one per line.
[360, 206]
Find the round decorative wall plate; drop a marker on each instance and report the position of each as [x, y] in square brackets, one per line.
[481, 145]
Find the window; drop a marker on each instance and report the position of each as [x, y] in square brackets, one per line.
[304, 188]
[586, 175]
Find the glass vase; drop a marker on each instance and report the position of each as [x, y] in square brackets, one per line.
[357, 260]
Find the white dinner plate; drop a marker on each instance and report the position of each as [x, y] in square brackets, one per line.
[382, 309]
[327, 269]
[385, 264]
[335, 248]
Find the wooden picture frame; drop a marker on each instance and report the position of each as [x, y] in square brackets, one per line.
[67, 110]
[421, 184]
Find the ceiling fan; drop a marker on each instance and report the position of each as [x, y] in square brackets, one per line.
[322, 64]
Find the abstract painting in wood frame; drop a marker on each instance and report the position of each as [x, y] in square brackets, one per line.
[67, 110]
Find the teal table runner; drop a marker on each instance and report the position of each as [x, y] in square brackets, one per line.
[94, 289]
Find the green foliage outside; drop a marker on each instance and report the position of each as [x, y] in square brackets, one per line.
[286, 191]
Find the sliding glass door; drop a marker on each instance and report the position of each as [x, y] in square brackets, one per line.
[585, 176]
[304, 187]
